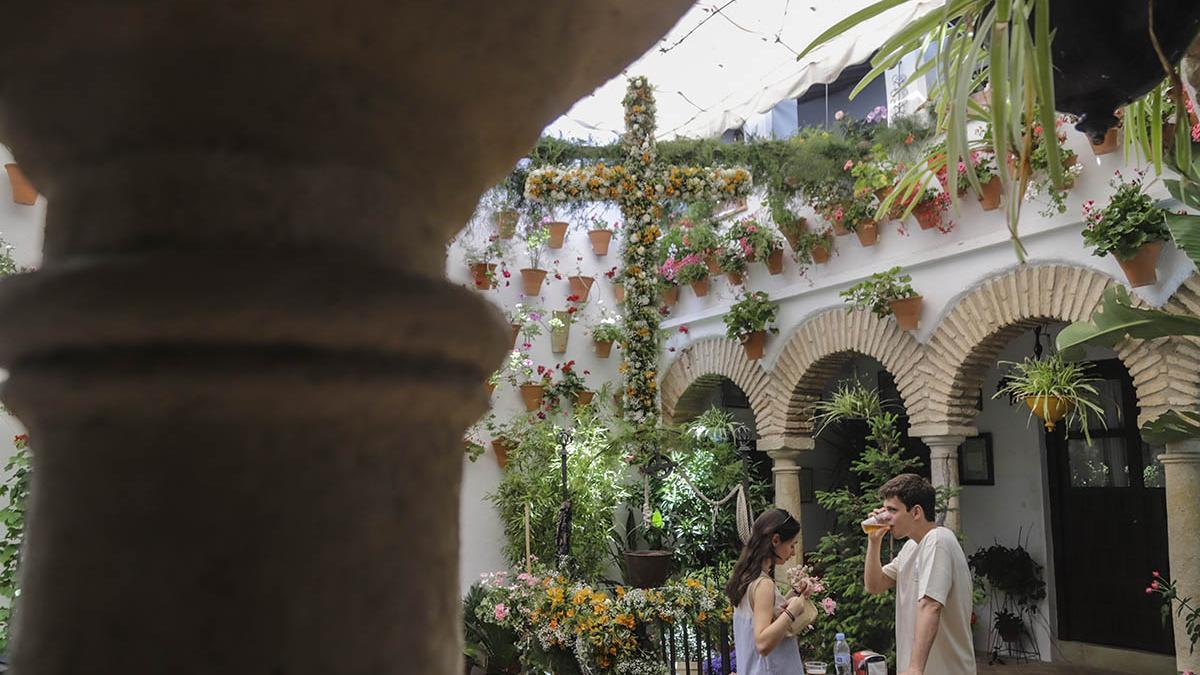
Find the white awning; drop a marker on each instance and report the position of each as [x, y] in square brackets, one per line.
[725, 62]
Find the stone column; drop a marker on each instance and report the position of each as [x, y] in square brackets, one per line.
[1181, 466]
[785, 454]
[244, 374]
[943, 469]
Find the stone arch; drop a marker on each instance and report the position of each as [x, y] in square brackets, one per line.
[699, 369]
[817, 349]
[977, 327]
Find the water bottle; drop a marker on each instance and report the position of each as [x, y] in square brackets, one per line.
[841, 655]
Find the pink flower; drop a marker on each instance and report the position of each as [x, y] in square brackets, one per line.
[1154, 585]
[1155, 573]
[527, 578]
[839, 115]
[829, 605]
[501, 612]
[849, 163]
[683, 329]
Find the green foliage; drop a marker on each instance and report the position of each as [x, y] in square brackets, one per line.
[1128, 222]
[692, 271]
[594, 480]
[807, 241]
[15, 492]
[754, 238]
[488, 645]
[875, 293]
[1011, 571]
[1055, 377]
[731, 259]
[752, 312]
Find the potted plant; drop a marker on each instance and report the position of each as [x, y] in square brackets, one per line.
[1130, 227]
[858, 216]
[814, 247]
[23, 191]
[1009, 625]
[560, 328]
[525, 320]
[1011, 571]
[790, 226]
[691, 269]
[930, 207]
[570, 385]
[756, 241]
[618, 283]
[536, 236]
[605, 333]
[874, 175]
[749, 320]
[732, 261]
[1041, 181]
[700, 237]
[647, 568]
[531, 379]
[1054, 389]
[557, 230]
[600, 235]
[479, 259]
[581, 284]
[884, 293]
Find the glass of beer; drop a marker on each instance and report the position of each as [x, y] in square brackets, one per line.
[815, 667]
[877, 522]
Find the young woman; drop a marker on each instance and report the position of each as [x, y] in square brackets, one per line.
[761, 616]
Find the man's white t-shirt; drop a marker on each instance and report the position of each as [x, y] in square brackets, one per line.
[935, 568]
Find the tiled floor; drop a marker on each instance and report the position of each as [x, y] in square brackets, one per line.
[1041, 669]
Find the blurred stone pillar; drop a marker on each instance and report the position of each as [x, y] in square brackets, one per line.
[244, 374]
[943, 470]
[1181, 466]
[786, 453]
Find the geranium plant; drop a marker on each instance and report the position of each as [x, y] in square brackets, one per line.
[874, 173]
[608, 329]
[570, 383]
[528, 318]
[598, 223]
[856, 212]
[731, 259]
[1040, 181]
[808, 242]
[691, 268]
[755, 240]
[876, 293]
[1129, 220]
[753, 312]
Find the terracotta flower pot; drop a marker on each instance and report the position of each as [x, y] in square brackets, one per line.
[989, 198]
[603, 348]
[581, 286]
[713, 267]
[736, 278]
[501, 446]
[928, 217]
[775, 262]
[868, 233]
[1140, 269]
[619, 292]
[516, 332]
[483, 274]
[559, 336]
[754, 343]
[670, 296]
[700, 288]
[1050, 408]
[584, 397]
[558, 232]
[23, 191]
[489, 387]
[1110, 143]
[532, 395]
[531, 281]
[907, 312]
[600, 241]
[506, 223]
[820, 253]
[839, 230]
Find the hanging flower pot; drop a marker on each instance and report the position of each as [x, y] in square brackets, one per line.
[754, 344]
[820, 253]
[670, 296]
[1110, 143]
[736, 278]
[775, 262]
[1140, 270]
[483, 274]
[603, 348]
[584, 397]
[489, 387]
[713, 266]
[700, 287]
[928, 216]
[868, 233]
[581, 286]
[502, 446]
[648, 569]
[531, 281]
[989, 196]
[1050, 408]
[506, 223]
[907, 312]
[839, 230]
[600, 241]
[23, 191]
[558, 232]
[619, 292]
[559, 336]
[516, 332]
[532, 395]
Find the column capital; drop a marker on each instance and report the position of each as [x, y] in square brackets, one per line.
[943, 446]
[782, 442]
[942, 429]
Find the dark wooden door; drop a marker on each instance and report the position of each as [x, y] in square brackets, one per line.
[1108, 514]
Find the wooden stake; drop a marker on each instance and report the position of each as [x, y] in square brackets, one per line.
[528, 558]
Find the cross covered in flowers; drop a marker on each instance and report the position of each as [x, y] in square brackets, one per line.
[640, 187]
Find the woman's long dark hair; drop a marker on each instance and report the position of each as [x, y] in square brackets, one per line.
[758, 549]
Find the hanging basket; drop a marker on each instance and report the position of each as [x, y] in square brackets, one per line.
[989, 196]
[603, 348]
[868, 233]
[775, 262]
[506, 223]
[531, 281]
[600, 241]
[820, 254]
[532, 395]
[482, 274]
[1141, 270]
[23, 191]
[700, 287]
[581, 286]
[648, 569]
[558, 233]
[907, 312]
[754, 344]
[1050, 409]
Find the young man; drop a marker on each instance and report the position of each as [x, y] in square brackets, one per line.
[931, 578]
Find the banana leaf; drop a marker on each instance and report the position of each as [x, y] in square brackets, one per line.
[1116, 319]
[1172, 426]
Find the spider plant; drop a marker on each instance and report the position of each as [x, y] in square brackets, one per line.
[1053, 387]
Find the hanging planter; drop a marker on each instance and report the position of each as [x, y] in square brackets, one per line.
[700, 287]
[648, 569]
[839, 230]
[989, 195]
[489, 387]
[483, 274]
[748, 321]
[560, 331]
[868, 233]
[775, 262]
[735, 278]
[502, 446]
[714, 267]
[1141, 269]
[619, 292]
[558, 233]
[581, 286]
[531, 281]
[23, 191]
[754, 344]
[1054, 389]
[600, 241]
[1051, 409]
[907, 312]
[506, 223]
[603, 348]
[670, 296]
[584, 397]
[1108, 145]
[516, 332]
[820, 253]
[532, 395]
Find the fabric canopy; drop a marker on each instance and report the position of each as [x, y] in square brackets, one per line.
[727, 61]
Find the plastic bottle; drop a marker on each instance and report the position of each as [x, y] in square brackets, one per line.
[841, 655]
